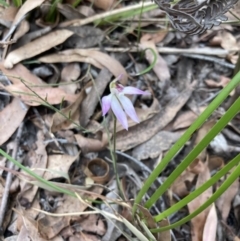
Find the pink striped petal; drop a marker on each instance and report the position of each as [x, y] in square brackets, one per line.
[118, 112]
[128, 107]
[106, 104]
[134, 91]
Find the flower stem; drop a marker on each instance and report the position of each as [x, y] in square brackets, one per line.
[114, 158]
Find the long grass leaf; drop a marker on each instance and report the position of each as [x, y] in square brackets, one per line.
[198, 191]
[228, 116]
[228, 182]
[186, 136]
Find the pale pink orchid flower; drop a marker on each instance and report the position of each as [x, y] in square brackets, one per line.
[120, 104]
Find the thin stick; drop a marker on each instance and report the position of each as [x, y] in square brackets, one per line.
[9, 178]
[167, 50]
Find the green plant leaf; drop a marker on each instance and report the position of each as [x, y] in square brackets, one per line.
[199, 191]
[228, 182]
[186, 136]
[231, 112]
[37, 177]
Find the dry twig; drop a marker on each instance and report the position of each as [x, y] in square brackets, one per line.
[9, 177]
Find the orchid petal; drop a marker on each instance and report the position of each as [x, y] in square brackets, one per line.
[128, 107]
[118, 112]
[134, 91]
[106, 104]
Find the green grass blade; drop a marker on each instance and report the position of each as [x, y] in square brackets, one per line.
[52, 13]
[199, 191]
[228, 116]
[125, 13]
[17, 3]
[228, 182]
[186, 136]
[37, 177]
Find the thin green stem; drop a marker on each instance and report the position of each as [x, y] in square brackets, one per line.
[114, 157]
[114, 136]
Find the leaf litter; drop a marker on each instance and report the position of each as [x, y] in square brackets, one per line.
[53, 75]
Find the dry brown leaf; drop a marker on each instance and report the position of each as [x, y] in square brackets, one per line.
[92, 224]
[21, 30]
[222, 83]
[160, 142]
[89, 104]
[52, 95]
[142, 132]
[37, 160]
[160, 68]
[29, 215]
[224, 202]
[84, 37]
[236, 207]
[215, 163]
[196, 166]
[49, 226]
[58, 166]
[215, 41]
[29, 212]
[10, 118]
[39, 95]
[179, 187]
[160, 35]
[90, 144]
[29, 229]
[210, 227]
[229, 42]
[69, 74]
[86, 11]
[201, 134]
[25, 8]
[165, 235]
[94, 57]
[198, 222]
[36, 47]
[85, 236]
[60, 122]
[185, 119]
[103, 4]
[9, 14]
